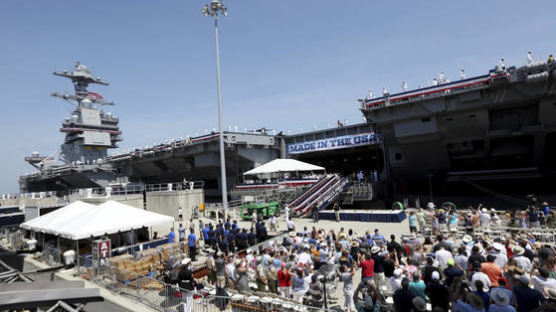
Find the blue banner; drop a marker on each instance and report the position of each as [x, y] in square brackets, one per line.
[347, 141]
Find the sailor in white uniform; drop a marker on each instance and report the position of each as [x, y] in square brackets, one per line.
[404, 86]
[530, 59]
[462, 74]
[501, 64]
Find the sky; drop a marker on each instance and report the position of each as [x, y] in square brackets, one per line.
[288, 65]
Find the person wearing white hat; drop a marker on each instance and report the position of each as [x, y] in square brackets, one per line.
[484, 218]
[499, 251]
[396, 280]
[521, 261]
[187, 284]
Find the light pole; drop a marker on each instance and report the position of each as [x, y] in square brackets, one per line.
[214, 9]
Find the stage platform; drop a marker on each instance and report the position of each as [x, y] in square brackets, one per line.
[387, 216]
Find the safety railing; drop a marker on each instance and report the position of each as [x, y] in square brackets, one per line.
[139, 189]
[153, 292]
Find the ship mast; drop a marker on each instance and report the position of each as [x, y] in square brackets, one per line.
[89, 131]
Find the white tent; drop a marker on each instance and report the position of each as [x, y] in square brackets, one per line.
[283, 165]
[80, 220]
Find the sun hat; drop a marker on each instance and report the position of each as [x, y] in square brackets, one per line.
[550, 292]
[397, 272]
[467, 238]
[498, 246]
[185, 261]
[499, 296]
[375, 249]
[435, 276]
[518, 250]
[292, 234]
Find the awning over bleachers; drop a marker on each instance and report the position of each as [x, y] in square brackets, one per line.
[80, 220]
[283, 165]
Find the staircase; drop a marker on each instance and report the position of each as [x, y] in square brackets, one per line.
[321, 194]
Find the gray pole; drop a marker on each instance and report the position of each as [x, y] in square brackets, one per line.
[223, 185]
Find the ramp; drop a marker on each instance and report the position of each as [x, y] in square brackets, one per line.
[322, 194]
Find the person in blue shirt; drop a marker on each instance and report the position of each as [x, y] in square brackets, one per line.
[192, 244]
[235, 226]
[171, 235]
[223, 245]
[545, 208]
[412, 222]
[485, 297]
[206, 231]
[378, 238]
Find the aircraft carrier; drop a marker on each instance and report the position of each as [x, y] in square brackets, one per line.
[492, 135]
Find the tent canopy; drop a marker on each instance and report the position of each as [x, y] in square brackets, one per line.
[283, 165]
[80, 220]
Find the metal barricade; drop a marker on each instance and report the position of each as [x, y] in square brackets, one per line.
[52, 255]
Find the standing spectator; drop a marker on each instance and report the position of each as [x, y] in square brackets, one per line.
[453, 221]
[378, 267]
[421, 220]
[393, 245]
[461, 258]
[171, 235]
[337, 211]
[543, 280]
[501, 301]
[347, 278]
[442, 256]
[367, 268]
[272, 222]
[360, 176]
[403, 298]
[284, 281]
[527, 299]
[429, 270]
[287, 212]
[412, 222]
[298, 285]
[478, 275]
[192, 244]
[315, 211]
[417, 286]
[181, 231]
[482, 294]
[533, 216]
[220, 267]
[438, 293]
[545, 209]
[492, 270]
[180, 214]
[452, 272]
[484, 219]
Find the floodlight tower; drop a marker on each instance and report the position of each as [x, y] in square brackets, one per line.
[215, 9]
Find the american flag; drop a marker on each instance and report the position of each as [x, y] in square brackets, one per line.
[94, 96]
